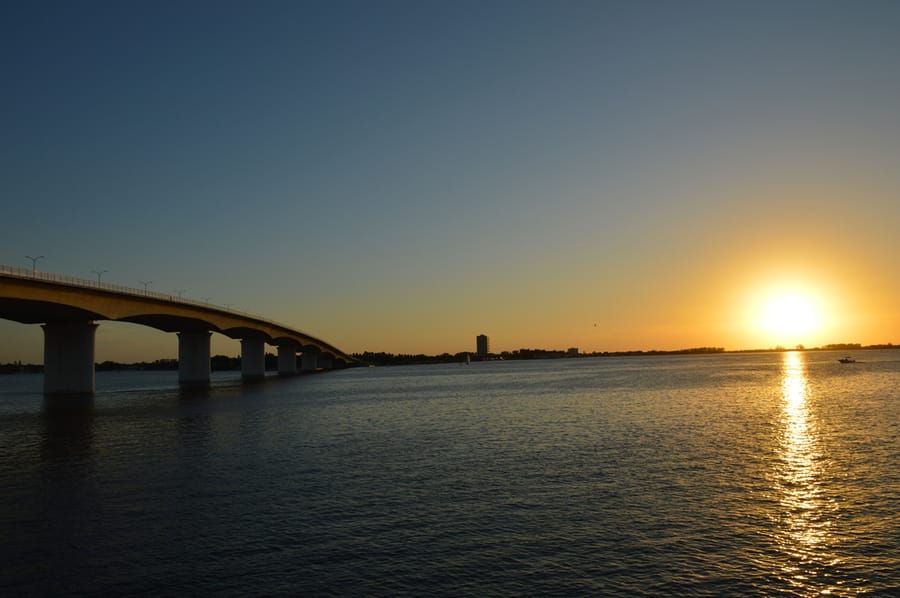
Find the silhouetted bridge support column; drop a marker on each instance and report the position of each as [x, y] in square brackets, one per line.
[287, 359]
[193, 357]
[253, 358]
[69, 357]
[326, 361]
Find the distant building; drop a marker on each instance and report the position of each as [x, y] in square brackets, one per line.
[572, 352]
[482, 346]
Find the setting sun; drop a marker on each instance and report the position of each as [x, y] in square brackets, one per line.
[791, 299]
[790, 315]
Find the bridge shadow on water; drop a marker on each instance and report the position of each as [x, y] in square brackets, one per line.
[71, 426]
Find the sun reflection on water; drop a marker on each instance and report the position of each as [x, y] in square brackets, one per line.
[806, 515]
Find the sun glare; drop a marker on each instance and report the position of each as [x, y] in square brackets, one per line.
[790, 315]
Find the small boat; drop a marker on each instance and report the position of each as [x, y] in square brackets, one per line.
[847, 359]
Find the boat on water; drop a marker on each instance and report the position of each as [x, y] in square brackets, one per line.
[847, 359]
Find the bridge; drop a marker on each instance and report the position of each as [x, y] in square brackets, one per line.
[68, 309]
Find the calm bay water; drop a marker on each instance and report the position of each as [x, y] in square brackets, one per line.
[749, 474]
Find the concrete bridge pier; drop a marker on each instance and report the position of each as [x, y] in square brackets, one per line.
[287, 359]
[193, 357]
[253, 358]
[69, 357]
[309, 361]
[326, 361]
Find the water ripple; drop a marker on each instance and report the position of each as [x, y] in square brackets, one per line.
[750, 475]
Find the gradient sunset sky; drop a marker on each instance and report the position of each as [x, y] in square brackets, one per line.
[402, 176]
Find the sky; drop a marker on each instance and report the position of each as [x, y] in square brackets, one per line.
[403, 176]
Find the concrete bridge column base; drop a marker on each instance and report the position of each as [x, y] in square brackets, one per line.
[69, 357]
[287, 360]
[193, 357]
[253, 358]
[326, 361]
[308, 362]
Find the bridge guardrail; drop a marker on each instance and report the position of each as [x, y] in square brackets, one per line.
[74, 281]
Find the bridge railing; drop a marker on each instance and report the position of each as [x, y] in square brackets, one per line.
[35, 274]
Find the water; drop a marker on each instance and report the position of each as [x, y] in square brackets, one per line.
[749, 474]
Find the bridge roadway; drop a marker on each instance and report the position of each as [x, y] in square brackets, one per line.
[68, 309]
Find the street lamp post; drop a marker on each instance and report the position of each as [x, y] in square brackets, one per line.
[145, 283]
[180, 292]
[34, 263]
[99, 273]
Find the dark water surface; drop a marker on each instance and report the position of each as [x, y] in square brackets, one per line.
[751, 474]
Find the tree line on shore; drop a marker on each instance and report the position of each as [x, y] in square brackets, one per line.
[382, 358]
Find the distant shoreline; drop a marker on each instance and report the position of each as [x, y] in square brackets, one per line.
[221, 363]
[528, 354]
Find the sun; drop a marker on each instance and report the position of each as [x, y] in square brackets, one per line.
[789, 316]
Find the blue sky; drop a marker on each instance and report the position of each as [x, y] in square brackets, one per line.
[402, 176]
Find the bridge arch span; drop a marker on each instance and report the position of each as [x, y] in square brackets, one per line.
[69, 307]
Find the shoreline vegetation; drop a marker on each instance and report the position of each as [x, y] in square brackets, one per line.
[224, 363]
[407, 359]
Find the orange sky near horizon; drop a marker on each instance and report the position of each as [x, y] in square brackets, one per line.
[662, 294]
[709, 307]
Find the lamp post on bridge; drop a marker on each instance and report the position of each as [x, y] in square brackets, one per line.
[99, 273]
[145, 283]
[34, 263]
[206, 299]
[179, 292]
